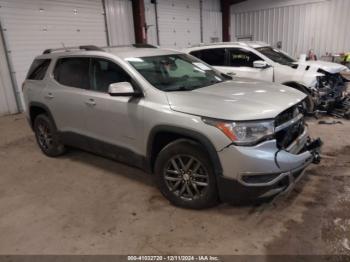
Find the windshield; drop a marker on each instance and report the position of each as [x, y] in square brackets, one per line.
[276, 55]
[177, 72]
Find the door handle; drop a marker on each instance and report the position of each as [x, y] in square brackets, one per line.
[231, 73]
[90, 102]
[49, 96]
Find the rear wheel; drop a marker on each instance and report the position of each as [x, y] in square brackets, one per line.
[185, 176]
[47, 137]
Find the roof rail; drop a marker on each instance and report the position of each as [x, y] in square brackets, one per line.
[68, 49]
[133, 45]
[242, 43]
[144, 46]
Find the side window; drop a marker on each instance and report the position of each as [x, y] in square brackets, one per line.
[214, 57]
[241, 57]
[38, 69]
[73, 71]
[104, 73]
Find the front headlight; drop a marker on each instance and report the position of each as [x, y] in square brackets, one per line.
[244, 133]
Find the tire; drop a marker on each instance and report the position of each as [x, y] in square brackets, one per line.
[191, 184]
[47, 136]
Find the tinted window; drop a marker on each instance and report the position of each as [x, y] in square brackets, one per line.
[38, 69]
[241, 57]
[215, 57]
[104, 73]
[73, 72]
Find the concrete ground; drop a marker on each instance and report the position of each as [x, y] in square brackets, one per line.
[84, 204]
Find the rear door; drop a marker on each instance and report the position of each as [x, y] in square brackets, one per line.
[65, 94]
[216, 57]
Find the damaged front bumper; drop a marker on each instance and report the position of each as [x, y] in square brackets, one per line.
[264, 170]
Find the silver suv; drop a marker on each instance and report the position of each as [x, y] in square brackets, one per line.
[205, 136]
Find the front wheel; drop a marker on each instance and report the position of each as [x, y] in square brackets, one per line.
[185, 175]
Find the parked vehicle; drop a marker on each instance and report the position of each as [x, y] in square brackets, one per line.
[320, 81]
[205, 136]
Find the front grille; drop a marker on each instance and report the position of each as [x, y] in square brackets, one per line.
[287, 135]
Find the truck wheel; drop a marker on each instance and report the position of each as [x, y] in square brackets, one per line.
[185, 176]
[47, 137]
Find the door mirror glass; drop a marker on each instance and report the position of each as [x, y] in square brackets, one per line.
[260, 64]
[121, 89]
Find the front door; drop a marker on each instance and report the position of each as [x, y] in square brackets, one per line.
[240, 62]
[114, 123]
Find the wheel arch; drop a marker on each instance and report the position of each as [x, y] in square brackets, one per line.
[162, 135]
[37, 108]
[299, 86]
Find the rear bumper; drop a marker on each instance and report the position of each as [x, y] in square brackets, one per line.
[266, 173]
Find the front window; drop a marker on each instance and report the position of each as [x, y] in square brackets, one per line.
[177, 72]
[276, 55]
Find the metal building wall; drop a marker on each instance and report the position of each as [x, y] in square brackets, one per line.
[212, 21]
[30, 26]
[151, 22]
[120, 22]
[179, 22]
[8, 103]
[300, 25]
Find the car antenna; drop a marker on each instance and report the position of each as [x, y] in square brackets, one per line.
[65, 48]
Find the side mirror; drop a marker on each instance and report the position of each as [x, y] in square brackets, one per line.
[260, 64]
[121, 89]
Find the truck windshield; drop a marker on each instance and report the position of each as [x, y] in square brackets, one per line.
[276, 55]
[176, 72]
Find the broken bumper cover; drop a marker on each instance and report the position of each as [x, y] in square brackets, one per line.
[273, 171]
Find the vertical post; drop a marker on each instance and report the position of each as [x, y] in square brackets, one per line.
[138, 8]
[226, 13]
[201, 19]
[106, 23]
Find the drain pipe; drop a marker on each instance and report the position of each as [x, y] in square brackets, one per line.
[12, 72]
[156, 15]
[201, 19]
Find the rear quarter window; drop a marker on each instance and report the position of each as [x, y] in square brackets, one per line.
[38, 69]
[73, 72]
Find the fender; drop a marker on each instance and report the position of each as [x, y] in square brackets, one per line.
[299, 86]
[45, 108]
[202, 139]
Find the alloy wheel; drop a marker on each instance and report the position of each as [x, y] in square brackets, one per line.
[186, 177]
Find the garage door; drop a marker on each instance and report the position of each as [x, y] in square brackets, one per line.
[179, 23]
[30, 26]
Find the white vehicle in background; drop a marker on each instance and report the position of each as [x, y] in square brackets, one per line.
[320, 80]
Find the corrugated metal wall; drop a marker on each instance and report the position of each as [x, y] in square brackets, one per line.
[30, 26]
[151, 22]
[8, 103]
[179, 22]
[212, 21]
[300, 25]
[120, 22]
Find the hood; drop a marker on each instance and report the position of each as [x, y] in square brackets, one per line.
[240, 99]
[326, 66]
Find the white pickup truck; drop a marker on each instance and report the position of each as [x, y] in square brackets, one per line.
[320, 80]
